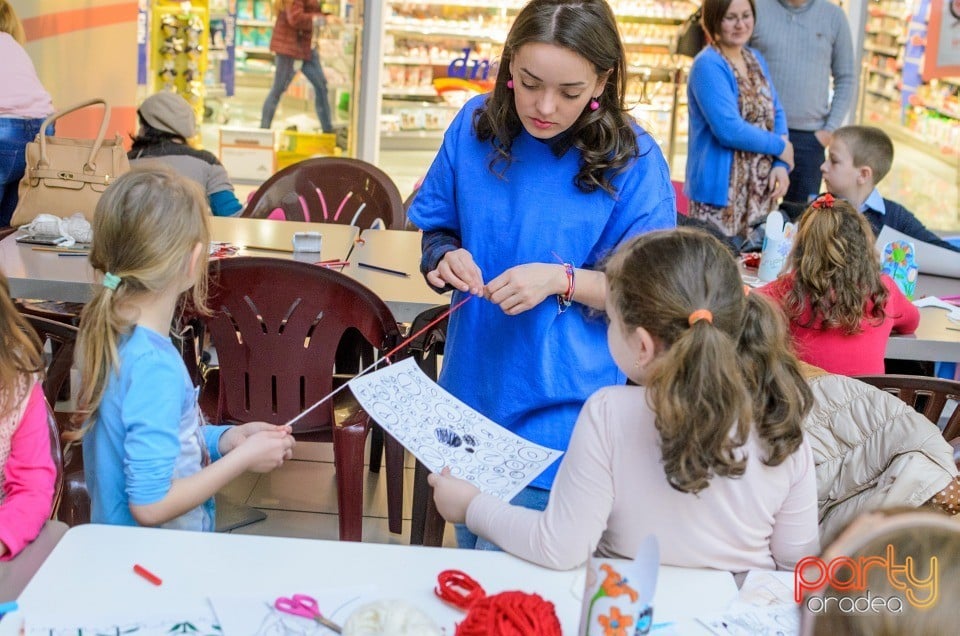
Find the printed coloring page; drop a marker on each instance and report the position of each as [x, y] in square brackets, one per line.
[440, 430]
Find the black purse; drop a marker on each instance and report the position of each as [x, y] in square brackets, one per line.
[691, 38]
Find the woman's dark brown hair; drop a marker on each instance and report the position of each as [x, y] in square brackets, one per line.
[706, 385]
[713, 12]
[836, 270]
[604, 136]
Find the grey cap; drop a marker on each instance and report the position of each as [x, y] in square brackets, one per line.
[170, 113]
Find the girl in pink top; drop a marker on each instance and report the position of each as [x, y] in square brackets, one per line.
[707, 454]
[841, 308]
[27, 471]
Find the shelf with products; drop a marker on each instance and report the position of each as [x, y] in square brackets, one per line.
[336, 42]
[429, 41]
[894, 95]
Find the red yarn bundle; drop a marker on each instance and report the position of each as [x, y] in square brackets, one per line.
[504, 614]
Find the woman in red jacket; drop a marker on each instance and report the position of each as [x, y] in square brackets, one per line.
[293, 40]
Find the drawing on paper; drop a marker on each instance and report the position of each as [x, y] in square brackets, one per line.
[197, 626]
[440, 430]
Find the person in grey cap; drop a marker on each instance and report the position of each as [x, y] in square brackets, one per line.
[167, 121]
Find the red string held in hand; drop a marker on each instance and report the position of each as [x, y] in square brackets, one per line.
[511, 613]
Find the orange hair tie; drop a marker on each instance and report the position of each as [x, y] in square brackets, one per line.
[698, 315]
[746, 290]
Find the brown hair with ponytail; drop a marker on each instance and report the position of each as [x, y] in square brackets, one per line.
[145, 228]
[704, 385]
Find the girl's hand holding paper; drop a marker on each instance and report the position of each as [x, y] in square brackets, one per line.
[452, 495]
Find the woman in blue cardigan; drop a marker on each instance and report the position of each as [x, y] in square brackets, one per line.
[739, 155]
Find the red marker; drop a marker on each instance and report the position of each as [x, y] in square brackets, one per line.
[147, 574]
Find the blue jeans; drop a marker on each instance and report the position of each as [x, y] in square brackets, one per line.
[281, 81]
[14, 135]
[808, 156]
[529, 497]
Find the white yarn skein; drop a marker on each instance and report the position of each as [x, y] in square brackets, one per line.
[390, 618]
[78, 227]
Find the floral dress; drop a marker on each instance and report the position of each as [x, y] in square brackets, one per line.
[749, 197]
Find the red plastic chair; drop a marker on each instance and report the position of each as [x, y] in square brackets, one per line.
[683, 203]
[330, 190]
[276, 327]
[72, 500]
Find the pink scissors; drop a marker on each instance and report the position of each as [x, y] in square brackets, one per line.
[306, 606]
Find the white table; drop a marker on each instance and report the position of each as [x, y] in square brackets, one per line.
[406, 296]
[935, 338]
[90, 573]
[50, 276]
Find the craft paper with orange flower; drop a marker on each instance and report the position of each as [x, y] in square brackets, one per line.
[619, 593]
[615, 624]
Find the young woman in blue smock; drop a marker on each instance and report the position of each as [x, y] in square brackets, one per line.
[535, 184]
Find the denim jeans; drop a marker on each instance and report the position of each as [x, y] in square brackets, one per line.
[14, 135]
[281, 81]
[529, 497]
[808, 156]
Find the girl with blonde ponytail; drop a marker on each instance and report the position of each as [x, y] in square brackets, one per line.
[707, 453]
[146, 448]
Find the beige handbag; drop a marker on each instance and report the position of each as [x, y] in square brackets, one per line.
[65, 175]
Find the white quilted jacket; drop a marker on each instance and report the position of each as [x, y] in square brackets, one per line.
[871, 451]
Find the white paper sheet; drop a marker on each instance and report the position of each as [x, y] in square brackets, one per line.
[440, 430]
[256, 616]
[931, 259]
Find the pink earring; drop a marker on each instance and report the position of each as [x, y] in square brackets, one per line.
[594, 103]
[510, 84]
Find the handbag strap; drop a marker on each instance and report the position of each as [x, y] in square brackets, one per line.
[90, 166]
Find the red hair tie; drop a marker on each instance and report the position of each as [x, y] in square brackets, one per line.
[823, 201]
[505, 614]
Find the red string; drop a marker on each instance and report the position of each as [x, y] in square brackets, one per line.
[511, 613]
[427, 326]
[376, 363]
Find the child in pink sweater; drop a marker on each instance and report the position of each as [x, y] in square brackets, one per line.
[28, 473]
[707, 454]
[841, 308]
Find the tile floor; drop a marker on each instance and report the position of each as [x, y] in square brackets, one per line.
[300, 499]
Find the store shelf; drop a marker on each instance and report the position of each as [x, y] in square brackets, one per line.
[882, 50]
[884, 94]
[472, 33]
[884, 72]
[255, 23]
[426, 39]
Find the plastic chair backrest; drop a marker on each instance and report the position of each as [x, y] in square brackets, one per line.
[276, 327]
[429, 346]
[925, 394]
[330, 190]
[63, 339]
[57, 455]
[72, 500]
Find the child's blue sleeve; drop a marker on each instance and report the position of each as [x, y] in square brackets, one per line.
[153, 399]
[224, 203]
[211, 436]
